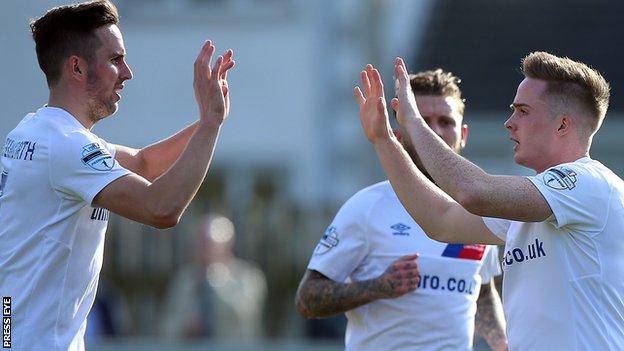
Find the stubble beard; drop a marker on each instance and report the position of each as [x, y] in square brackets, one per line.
[100, 105]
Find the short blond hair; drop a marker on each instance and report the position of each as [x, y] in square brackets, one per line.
[570, 83]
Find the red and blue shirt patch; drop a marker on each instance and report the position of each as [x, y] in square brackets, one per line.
[469, 252]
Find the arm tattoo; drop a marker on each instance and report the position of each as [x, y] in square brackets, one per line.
[490, 321]
[319, 296]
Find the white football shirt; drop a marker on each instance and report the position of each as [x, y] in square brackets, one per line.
[564, 277]
[51, 239]
[371, 230]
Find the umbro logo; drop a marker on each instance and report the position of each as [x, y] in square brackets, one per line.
[400, 229]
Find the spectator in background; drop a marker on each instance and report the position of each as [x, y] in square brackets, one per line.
[109, 317]
[219, 295]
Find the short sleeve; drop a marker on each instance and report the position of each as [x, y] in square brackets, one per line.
[577, 195]
[490, 267]
[344, 244]
[498, 226]
[81, 165]
[109, 146]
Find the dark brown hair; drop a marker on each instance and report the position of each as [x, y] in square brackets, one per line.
[439, 83]
[570, 83]
[69, 30]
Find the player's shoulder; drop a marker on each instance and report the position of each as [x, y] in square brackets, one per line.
[59, 124]
[43, 128]
[76, 147]
[28, 118]
[24, 128]
[372, 194]
[70, 141]
[363, 200]
[379, 190]
[582, 173]
[599, 171]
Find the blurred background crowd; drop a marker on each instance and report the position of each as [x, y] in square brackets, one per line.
[292, 150]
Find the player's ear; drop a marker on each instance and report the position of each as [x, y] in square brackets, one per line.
[76, 68]
[464, 135]
[564, 124]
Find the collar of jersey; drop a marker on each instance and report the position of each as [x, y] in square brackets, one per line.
[57, 111]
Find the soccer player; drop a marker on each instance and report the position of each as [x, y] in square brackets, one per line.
[365, 265]
[59, 180]
[564, 272]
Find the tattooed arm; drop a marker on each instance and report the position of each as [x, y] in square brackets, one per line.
[490, 321]
[320, 297]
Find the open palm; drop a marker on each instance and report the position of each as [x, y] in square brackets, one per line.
[405, 102]
[372, 102]
[210, 84]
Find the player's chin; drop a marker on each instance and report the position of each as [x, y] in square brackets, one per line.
[112, 107]
[521, 160]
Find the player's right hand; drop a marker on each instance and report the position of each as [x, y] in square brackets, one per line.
[210, 85]
[405, 103]
[401, 277]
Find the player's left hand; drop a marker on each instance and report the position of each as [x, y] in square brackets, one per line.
[211, 86]
[401, 277]
[372, 102]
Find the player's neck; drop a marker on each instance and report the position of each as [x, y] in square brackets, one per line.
[567, 157]
[73, 104]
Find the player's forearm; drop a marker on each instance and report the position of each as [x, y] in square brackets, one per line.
[461, 179]
[320, 298]
[171, 193]
[159, 157]
[425, 202]
[489, 320]
[482, 194]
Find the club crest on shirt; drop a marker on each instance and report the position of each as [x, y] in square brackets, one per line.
[560, 178]
[327, 242]
[97, 157]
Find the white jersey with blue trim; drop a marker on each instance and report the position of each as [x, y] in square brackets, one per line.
[51, 238]
[564, 277]
[371, 230]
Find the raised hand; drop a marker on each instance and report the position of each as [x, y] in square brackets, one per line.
[400, 278]
[405, 102]
[210, 84]
[372, 102]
